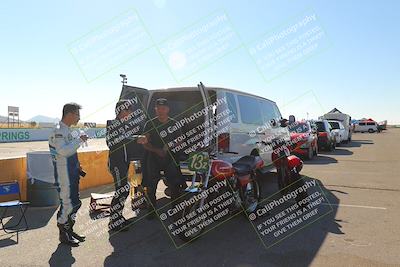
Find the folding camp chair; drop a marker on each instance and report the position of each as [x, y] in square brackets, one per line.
[12, 189]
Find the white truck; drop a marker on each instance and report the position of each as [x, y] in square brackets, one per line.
[336, 115]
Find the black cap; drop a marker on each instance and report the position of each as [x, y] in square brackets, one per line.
[162, 102]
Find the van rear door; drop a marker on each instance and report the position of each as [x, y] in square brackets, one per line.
[138, 98]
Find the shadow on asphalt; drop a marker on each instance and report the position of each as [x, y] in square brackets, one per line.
[233, 243]
[36, 218]
[8, 239]
[339, 151]
[358, 143]
[62, 257]
[321, 160]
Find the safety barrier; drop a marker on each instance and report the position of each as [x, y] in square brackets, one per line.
[94, 163]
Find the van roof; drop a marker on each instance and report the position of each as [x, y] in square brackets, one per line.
[192, 88]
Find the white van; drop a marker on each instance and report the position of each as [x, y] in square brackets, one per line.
[243, 123]
[366, 126]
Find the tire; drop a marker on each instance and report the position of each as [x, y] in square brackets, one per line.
[310, 153]
[292, 177]
[250, 196]
[371, 130]
[330, 146]
[186, 211]
[284, 177]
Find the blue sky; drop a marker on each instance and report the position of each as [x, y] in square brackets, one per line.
[357, 72]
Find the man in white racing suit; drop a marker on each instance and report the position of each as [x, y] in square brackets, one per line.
[63, 144]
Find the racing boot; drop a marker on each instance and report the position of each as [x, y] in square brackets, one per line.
[80, 238]
[66, 236]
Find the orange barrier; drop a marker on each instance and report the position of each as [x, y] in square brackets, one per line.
[14, 170]
[94, 163]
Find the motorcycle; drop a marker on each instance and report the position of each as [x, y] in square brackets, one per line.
[241, 178]
[288, 167]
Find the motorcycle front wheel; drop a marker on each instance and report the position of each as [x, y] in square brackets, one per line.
[195, 229]
[284, 177]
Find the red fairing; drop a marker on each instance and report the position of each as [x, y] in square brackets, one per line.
[260, 163]
[221, 169]
[295, 162]
[275, 159]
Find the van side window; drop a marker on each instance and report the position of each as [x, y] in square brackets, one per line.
[370, 123]
[361, 123]
[230, 99]
[250, 111]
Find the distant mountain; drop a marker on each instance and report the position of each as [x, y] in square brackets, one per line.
[44, 119]
[4, 119]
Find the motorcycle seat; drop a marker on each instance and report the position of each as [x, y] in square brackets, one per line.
[245, 164]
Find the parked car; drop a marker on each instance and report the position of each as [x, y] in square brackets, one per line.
[341, 135]
[366, 126]
[382, 125]
[326, 138]
[304, 138]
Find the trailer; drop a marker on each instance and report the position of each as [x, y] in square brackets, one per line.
[337, 115]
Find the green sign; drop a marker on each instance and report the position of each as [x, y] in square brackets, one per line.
[199, 161]
[14, 136]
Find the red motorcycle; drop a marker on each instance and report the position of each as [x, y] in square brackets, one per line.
[239, 178]
[288, 166]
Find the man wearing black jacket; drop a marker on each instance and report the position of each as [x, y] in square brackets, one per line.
[158, 154]
[117, 138]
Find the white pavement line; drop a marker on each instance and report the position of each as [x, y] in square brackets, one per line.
[355, 206]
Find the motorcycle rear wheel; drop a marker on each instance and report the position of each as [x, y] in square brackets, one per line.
[250, 195]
